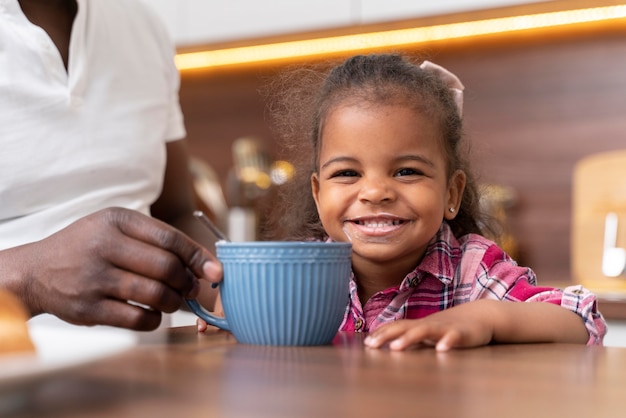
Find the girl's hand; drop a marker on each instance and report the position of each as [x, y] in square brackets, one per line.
[467, 325]
[218, 311]
[201, 324]
[484, 321]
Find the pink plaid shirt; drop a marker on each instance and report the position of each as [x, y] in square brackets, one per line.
[455, 271]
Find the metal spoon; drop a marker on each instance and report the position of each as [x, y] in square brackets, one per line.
[210, 225]
[214, 230]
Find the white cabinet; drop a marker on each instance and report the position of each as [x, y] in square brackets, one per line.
[373, 11]
[194, 22]
[205, 21]
[213, 21]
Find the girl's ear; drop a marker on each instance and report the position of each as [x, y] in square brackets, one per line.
[315, 189]
[456, 186]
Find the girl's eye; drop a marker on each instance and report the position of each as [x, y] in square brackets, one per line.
[344, 173]
[408, 172]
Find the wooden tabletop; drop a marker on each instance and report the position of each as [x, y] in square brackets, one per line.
[180, 373]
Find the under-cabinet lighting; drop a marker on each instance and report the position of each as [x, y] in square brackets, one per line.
[391, 38]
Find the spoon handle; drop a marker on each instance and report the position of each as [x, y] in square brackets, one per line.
[210, 225]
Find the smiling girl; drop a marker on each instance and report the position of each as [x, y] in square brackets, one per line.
[380, 141]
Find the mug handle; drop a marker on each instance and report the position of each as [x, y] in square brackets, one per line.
[210, 319]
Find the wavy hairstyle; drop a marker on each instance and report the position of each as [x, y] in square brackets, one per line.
[300, 100]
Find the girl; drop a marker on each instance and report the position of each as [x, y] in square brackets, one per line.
[381, 149]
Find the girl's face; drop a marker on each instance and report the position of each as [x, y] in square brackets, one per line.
[382, 182]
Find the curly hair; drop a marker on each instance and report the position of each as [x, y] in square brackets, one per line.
[302, 97]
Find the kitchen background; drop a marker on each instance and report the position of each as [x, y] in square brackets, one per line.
[196, 22]
[536, 103]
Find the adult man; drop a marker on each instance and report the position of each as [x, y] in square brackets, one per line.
[91, 134]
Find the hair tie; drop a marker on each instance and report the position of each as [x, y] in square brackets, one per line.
[451, 80]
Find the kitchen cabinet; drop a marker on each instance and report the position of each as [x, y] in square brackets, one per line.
[197, 22]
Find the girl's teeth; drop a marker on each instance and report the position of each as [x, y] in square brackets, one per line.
[380, 224]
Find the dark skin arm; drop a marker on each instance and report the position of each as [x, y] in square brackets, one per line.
[88, 272]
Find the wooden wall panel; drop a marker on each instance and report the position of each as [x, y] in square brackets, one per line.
[534, 105]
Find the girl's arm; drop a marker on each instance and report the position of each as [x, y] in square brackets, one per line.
[482, 322]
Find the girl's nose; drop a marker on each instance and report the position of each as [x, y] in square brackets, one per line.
[376, 190]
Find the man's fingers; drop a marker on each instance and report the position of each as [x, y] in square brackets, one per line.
[152, 262]
[127, 286]
[159, 234]
[115, 313]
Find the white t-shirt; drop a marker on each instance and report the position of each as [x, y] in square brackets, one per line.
[73, 142]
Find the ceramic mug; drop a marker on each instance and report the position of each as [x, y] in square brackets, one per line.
[282, 292]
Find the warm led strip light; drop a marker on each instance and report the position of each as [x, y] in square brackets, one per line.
[365, 41]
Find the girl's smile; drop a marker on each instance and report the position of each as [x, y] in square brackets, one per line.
[374, 228]
[382, 182]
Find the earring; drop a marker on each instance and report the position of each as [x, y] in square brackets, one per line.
[451, 210]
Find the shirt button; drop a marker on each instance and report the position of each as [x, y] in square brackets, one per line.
[578, 291]
[358, 324]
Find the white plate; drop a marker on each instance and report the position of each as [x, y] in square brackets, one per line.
[59, 346]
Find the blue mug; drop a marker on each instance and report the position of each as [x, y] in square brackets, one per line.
[282, 292]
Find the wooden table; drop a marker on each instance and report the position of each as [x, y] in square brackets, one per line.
[179, 373]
